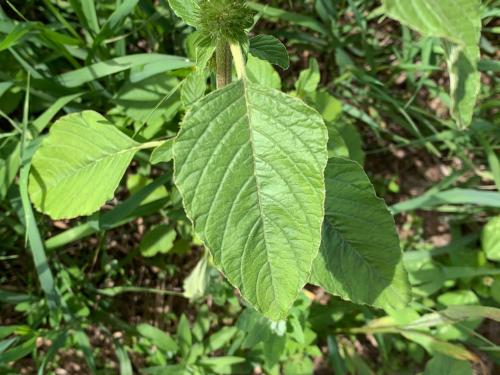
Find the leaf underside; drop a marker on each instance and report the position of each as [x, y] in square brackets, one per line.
[249, 164]
[360, 257]
[459, 23]
[79, 165]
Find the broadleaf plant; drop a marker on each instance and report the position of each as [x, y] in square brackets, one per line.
[249, 163]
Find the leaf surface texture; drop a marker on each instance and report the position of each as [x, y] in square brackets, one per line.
[249, 163]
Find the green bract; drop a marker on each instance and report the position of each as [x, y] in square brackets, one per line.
[224, 20]
[249, 164]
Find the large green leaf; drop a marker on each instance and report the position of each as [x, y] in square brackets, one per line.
[79, 165]
[249, 163]
[360, 257]
[459, 23]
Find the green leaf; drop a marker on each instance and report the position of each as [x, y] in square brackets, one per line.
[184, 336]
[490, 239]
[18, 352]
[115, 20]
[158, 337]
[269, 48]
[247, 160]
[159, 240]
[458, 22]
[220, 338]
[79, 165]
[187, 10]
[308, 79]
[263, 73]
[360, 257]
[444, 365]
[163, 153]
[195, 284]
[15, 35]
[145, 61]
[193, 88]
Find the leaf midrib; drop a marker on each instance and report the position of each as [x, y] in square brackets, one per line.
[254, 172]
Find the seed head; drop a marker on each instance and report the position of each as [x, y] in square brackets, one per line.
[225, 19]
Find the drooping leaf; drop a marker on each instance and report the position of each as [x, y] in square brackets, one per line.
[360, 257]
[458, 22]
[249, 164]
[195, 284]
[269, 48]
[79, 165]
[163, 153]
[491, 239]
[187, 10]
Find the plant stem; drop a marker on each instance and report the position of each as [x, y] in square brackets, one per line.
[239, 60]
[223, 61]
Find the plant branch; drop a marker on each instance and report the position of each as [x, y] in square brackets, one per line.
[223, 62]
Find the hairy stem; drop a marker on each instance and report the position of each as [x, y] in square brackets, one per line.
[223, 61]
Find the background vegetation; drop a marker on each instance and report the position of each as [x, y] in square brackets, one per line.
[130, 290]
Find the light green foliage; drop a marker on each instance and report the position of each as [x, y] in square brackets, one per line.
[458, 22]
[269, 48]
[263, 73]
[195, 285]
[491, 239]
[158, 240]
[163, 153]
[159, 338]
[308, 79]
[249, 164]
[187, 10]
[193, 88]
[444, 365]
[79, 165]
[360, 258]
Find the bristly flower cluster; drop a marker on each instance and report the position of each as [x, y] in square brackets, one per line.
[225, 20]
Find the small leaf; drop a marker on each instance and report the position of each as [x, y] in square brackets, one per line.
[263, 73]
[360, 257]
[163, 153]
[187, 10]
[205, 49]
[247, 160]
[193, 88]
[159, 240]
[158, 337]
[491, 239]
[195, 284]
[79, 165]
[308, 79]
[269, 48]
[184, 336]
